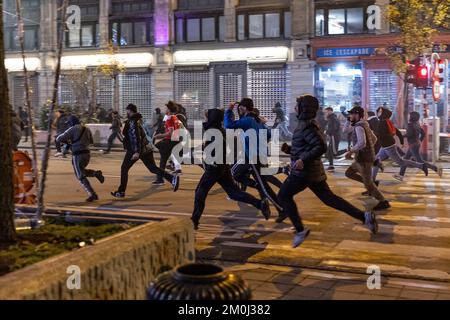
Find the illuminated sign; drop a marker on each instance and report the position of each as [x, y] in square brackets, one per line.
[344, 52]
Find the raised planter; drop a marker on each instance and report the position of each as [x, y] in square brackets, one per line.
[118, 267]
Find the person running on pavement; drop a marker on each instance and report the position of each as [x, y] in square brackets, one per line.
[61, 127]
[172, 125]
[363, 144]
[333, 132]
[220, 173]
[385, 133]
[307, 171]
[281, 123]
[116, 125]
[250, 121]
[80, 138]
[415, 136]
[136, 145]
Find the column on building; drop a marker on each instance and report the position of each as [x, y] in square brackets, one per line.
[230, 20]
[104, 11]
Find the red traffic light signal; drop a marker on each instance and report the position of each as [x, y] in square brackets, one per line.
[422, 77]
[423, 72]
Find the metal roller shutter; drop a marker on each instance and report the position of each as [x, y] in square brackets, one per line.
[19, 92]
[105, 92]
[267, 86]
[136, 88]
[382, 89]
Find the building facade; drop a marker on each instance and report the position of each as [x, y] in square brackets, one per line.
[205, 53]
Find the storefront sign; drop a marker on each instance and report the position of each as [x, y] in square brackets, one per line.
[344, 52]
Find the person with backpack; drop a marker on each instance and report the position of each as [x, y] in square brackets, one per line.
[137, 147]
[415, 136]
[170, 138]
[363, 144]
[308, 146]
[385, 134]
[80, 138]
[220, 173]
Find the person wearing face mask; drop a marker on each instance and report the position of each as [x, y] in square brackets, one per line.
[80, 138]
[250, 121]
[307, 171]
[219, 172]
[137, 147]
[363, 145]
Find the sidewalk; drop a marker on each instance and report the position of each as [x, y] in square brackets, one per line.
[270, 282]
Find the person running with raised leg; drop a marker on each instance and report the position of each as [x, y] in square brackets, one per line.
[137, 147]
[220, 173]
[308, 146]
[80, 138]
[363, 144]
[385, 133]
[415, 136]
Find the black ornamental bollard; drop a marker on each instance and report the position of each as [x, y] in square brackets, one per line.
[198, 282]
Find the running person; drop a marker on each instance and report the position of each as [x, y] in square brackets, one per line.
[308, 146]
[220, 173]
[80, 138]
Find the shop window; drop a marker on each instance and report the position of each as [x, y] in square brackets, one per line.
[339, 86]
[193, 30]
[180, 34]
[337, 21]
[140, 35]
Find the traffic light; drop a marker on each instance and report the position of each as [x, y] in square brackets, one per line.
[440, 70]
[422, 77]
[411, 72]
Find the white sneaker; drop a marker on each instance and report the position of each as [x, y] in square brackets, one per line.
[398, 177]
[58, 154]
[300, 237]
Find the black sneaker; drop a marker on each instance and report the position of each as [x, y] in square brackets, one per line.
[330, 169]
[425, 169]
[370, 221]
[92, 198]
[265, 209]
[100, 177]
[158, 182]
[195, 222]
[175, 182]
[382, 205]
[118, 194]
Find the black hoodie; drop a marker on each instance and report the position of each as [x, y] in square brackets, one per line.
[214, 121]
[134, 138]
[383, 133]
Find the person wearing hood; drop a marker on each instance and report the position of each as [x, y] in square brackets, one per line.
[308, 146]
[116, 124]
[220, 172]
[170, 138]
[363, 144]
[415, 136]
[80, 138]
[373, 125]
[61, 127]
[281, 123]
[249, 120]
[385, 134]
[137, 147]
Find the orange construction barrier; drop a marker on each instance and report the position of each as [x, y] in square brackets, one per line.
[23, 178]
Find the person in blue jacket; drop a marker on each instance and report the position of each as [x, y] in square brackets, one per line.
[250, 121]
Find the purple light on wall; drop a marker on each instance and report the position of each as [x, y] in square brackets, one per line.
[161, 20]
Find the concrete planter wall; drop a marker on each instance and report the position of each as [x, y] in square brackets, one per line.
[118, 267]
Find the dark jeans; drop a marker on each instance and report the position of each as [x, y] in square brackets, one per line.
[221, 175]
[165, 148]
[294, 184]
[79, 164]
[149, 162]
[111, 139]
[332, 150]
[414, 152]
[260, 182]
